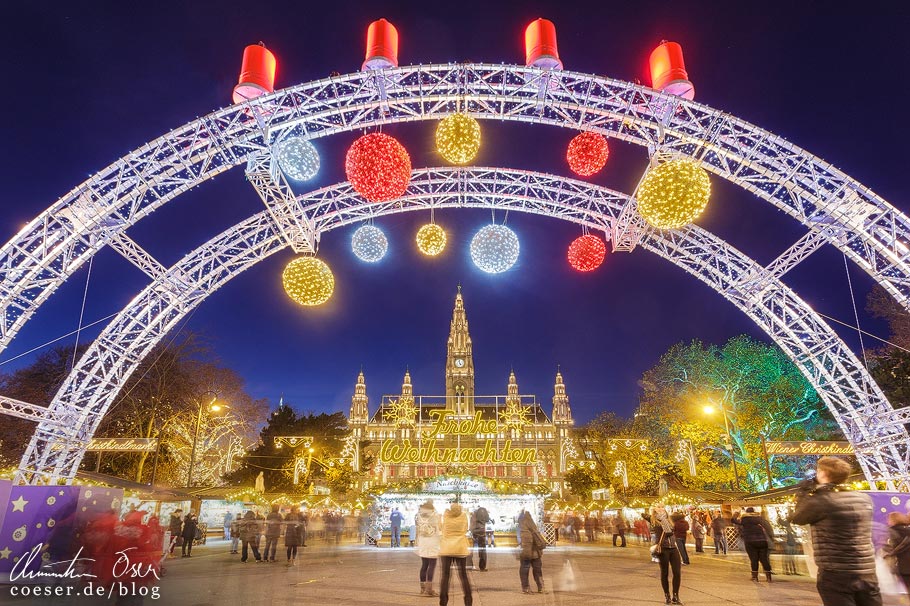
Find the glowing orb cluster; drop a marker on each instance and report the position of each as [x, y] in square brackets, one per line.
[494, 249]
[674, 194]
[308, 281]
[431, 239]
[458, 138]
[297, 158]
[587, 153]
[378, 167]
[587, 253]
[369, 244]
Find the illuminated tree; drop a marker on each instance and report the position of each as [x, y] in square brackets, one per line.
[581, 481]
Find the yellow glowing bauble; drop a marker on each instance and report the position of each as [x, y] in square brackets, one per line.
[458, 138]
[674, 194]
[308, 281]
[431, 239]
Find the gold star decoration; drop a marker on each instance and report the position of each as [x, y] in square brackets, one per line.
[19, 504]
[4, 553]
[402, 412]
[515, 416]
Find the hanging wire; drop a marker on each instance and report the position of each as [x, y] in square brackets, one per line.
[859, 331]
[52, 341]
[868, 334]
[82, 311]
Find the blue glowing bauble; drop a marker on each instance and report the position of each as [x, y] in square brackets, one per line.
[297, 158]
[369, 244]
[494, 249]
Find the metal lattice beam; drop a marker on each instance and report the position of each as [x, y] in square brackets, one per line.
[50, 248]
[834, 371]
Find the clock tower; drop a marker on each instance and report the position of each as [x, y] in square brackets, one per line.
[459, 363]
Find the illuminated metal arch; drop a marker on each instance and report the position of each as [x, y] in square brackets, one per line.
[880, 440]
[836, 208]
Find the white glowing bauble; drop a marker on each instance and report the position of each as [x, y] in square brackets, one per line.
[494, 249]
[369, 244]
[297, 159]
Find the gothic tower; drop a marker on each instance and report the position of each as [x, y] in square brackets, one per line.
[360, 412]
[459, 363]
[407, 390]
[562, 414]
[512, 390]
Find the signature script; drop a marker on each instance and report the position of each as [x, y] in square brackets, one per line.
[122, 567]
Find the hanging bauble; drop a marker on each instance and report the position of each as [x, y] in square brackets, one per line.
[458, 138]
[308, 281]
[494, 249]
[587, 252]
[673, 194]
[587, 153]
[297, 159]
[378, 167]
[431, 239]
[369, 244]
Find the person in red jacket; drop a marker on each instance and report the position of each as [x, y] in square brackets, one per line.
[680, 532]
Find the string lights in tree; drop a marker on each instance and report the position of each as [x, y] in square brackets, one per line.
[494, 249]
[587, 153]
[297, 159]
[308, 281]
[369, 244]
[458, 138]
[378, 167]
[674, 194]
[587, 252]
[431, 239]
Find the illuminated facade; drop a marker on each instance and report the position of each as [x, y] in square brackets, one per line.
[508, 438]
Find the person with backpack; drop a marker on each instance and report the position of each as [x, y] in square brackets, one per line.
[427, 541]
[479, 521]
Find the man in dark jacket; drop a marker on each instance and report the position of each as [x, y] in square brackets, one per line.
[841, 536]
[479, 520]
[175, 525]
[273, 523]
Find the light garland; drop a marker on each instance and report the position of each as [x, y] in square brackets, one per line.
[297, 158]
[494, 249]
[674, 194]
[431, 239]
[308, 281]
[587, 252]
[587, 153]
[369, 244]
[458, 138]
[378, 167]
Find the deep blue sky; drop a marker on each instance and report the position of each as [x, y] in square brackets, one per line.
[87, 84]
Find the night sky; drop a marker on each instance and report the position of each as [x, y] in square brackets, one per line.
[87, 84]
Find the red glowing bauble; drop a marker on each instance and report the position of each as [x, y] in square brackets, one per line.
[587, 153]
[378, 167]
[587, 253]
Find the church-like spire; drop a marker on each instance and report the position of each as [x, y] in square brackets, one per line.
[459, 362]
[407, 390]
[512, 390]
[360, 411]
[562, 414]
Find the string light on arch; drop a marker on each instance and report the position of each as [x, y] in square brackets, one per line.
[673, 194]
[297, 158]
[431, 239]
[587, 252]
[587, 153]
[308, 281]
[458, 138]
[494, 249]
[369, 244]
[378, 167]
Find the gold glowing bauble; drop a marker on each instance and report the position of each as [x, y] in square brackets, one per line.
[431, 239]
[458, 138]
[308, 281]
[674, 194]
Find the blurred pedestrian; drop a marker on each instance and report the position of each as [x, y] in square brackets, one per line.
[681, 532]
[454, 549]
[479, 520]
[666, 550]
[427, 539]
[273, 523]
[396, 518]
[174, 526]
[228, 518]
[249, 537]
[758, 537]
[718, 524]
[841, 523]
[188, 534]
[619, 531]
[292, 535]
[589, 528]
[532, 547]
[698, 532]
[898, 547]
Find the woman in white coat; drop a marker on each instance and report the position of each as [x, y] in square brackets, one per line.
[427, 540]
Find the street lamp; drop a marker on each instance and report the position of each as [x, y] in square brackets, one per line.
[708, 409]
[212, 406]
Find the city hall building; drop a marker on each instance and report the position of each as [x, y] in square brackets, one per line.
[506, 438]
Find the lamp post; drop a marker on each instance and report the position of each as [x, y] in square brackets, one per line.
[214, 408]
[709, 410]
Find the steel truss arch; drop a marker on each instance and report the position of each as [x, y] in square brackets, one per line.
[844, 212]
[882, 445]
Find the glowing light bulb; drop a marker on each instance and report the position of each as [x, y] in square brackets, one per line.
[297, 158]
[431, 239]
[458, 138]
[369, 244]
[674, 194]
[494, 249]
[308, 281]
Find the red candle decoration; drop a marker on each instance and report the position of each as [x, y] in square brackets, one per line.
[378, 167]
[587, 253]
[587, 153]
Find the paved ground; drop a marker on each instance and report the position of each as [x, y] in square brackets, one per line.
[357, 575]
